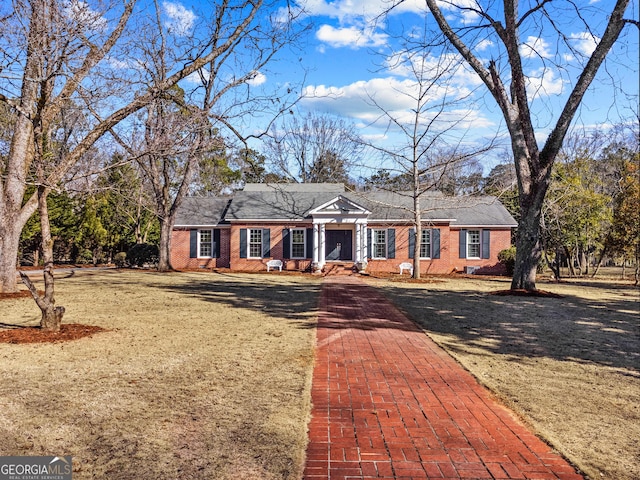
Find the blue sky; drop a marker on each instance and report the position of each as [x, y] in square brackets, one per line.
[345, 59]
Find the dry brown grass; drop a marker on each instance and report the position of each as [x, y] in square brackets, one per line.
[200, 376]
[569, 366]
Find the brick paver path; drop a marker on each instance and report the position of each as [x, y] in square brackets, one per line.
[389, 403]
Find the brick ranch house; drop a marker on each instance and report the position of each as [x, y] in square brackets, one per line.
[309, 226]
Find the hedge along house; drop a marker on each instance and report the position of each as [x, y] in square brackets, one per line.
[309, 226]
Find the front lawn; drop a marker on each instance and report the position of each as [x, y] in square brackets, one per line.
[569, 366]
[200, 375]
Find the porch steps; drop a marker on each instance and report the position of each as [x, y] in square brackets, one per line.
[338, 269]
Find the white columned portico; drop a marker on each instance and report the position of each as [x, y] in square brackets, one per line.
[340, 214]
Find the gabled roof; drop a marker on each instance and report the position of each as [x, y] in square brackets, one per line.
[298, 202]
[340, 205]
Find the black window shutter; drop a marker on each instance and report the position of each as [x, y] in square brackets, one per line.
[243, 243]
[216, 243]
[412, 242]
[486, 243]
[266, 243]
[435, 243]
[369, 246]
[391, 243]
[286, 243]
[463, 243]
[310, 242]
[193, 243]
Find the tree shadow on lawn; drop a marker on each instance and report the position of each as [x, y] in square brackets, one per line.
[605, 331]
[294, 301]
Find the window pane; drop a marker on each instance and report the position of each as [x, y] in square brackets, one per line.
[297, 244]
[379, 244]
[473, 244]
[205, 243]
[425, 244]
[255, 243]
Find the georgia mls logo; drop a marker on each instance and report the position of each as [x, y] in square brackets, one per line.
[35, 468]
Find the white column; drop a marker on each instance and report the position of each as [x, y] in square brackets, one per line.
[365, 246]
[358, 242]
[316, 243]
[322, 259]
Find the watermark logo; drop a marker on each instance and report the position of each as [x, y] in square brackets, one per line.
[35, 468]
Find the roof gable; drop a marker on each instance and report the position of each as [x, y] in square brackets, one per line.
[340, 205]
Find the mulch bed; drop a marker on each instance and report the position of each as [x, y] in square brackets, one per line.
[19, 294]
[526, 293]
[70, 331]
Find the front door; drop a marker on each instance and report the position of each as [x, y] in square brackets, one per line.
[338, 245]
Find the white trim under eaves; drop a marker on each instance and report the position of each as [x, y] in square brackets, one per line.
[203, 226]
[263, 220]
[510, 225]
[409, 221]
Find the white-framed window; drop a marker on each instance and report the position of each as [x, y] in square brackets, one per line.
[255, 243]
[473, 244]
[379, 243]
[205, 243]
[298, 243]
[425, 244]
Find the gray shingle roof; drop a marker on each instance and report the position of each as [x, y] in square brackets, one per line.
[294, 203]
[202, 212]
[461, 211]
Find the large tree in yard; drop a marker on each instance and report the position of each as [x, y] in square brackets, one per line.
[57, 55]
[500, 24]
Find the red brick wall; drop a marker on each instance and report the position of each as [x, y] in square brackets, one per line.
[448, 261]
[180, 241]
[499, 240]
[277, 249]
[428, 266]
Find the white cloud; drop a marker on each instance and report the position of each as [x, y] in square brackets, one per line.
[584, 42]
[461, 10]
[367, 101]
[543, 82]
[80, 12]
[535, 47]
[180, 20]
[197, 77]
[351, 37]
[484, 45]
[450, 68]
[257, 79]
[347, 10]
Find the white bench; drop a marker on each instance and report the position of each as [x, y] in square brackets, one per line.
[274, 264]
[406, 266]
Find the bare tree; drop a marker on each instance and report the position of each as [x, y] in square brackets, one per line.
[507, 81]
[68, 54]
[430, 149]
[182, 128]
[313, 148]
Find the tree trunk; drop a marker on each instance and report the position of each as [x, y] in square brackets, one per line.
[528, 246]
[9, 242]
[51, 315]
[418, 225]
[164, 260]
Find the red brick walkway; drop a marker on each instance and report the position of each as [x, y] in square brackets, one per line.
[389, 403]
